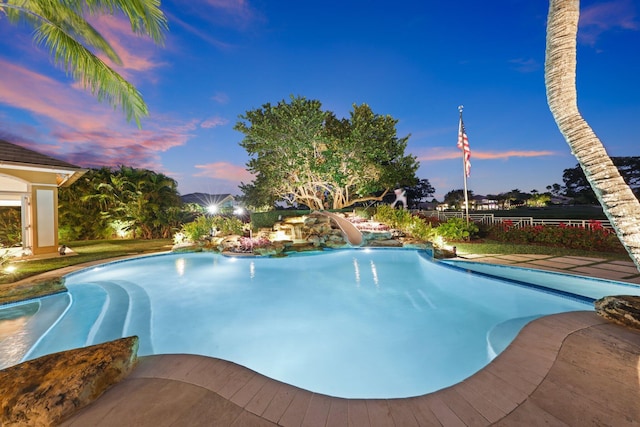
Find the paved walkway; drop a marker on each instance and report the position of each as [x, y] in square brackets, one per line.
[569, 369]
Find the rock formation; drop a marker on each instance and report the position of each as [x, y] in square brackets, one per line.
[45, 391]
[621, 309]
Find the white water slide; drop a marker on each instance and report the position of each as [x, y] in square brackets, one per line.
[350, 231]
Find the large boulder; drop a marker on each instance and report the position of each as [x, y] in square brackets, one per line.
[45, 391]
[621, 309]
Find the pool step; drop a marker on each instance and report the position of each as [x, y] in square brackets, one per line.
[114, 309]
[501, 335]
[16, 346]
[72, 329]
[110, 324]
[128, 312]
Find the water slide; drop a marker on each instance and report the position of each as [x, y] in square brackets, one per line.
[349, 231]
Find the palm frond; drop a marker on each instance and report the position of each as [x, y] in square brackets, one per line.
[145, 16]
[93, 73]
[61, 26]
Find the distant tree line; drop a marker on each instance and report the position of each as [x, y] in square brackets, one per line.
[576, 189]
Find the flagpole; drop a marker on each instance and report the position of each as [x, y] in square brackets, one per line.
[464, 167]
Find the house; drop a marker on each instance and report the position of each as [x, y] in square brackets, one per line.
[30, 180]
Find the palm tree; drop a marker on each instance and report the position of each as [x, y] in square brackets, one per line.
[61, 27]
[618, 201]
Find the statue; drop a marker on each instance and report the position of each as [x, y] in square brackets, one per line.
[401, 196]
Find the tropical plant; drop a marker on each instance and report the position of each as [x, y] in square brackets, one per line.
[303, 155]
[10, 226]
[616, 197]
[63, 28]
[123, 202]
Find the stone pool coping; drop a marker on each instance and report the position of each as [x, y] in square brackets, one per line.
[565, 369]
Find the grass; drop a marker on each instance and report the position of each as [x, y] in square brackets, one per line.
[87, 250]
[490, 247]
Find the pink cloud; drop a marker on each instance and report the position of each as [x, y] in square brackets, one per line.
[601, 17]
[56, 101]
[221, 98]
[135, 51]
[226, 171]
[439, 154]
[214, 122]
[87, 133]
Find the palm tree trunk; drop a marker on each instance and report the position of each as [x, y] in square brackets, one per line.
[618, 201]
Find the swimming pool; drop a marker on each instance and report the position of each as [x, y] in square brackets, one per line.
[378, 323]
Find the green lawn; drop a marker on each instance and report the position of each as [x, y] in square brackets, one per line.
[87, 250]
[490, 247]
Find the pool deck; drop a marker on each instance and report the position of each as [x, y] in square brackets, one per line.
[569, 369]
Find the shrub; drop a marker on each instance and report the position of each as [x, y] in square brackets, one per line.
[592, 238]
[197, 229]
[403, 220]
[205, 226]
[457, 229]
[226, 226]
[395, 218]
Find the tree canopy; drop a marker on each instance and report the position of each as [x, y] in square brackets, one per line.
[61, 26]
[577, 186]
[303, 155]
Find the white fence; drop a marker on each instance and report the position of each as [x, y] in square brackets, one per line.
[517, 221]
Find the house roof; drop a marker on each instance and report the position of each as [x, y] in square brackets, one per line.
[16, 154]
[13, 156]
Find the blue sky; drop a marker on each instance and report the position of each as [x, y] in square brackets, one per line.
[414, 60]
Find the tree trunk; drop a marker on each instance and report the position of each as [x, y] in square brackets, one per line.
[618, 201]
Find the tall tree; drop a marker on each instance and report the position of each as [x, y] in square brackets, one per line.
[618, 201]
[62, 27]
[301, 154]
[420, 192]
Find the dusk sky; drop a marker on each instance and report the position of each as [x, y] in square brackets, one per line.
[414, 60]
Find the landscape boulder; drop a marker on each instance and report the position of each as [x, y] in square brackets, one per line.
[621, 309]
[49, 389]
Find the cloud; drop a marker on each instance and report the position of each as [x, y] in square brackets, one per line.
[525, 65]
[236, 14]
[225, 171]
[437, 154]
[214, 122]
[173, 19]
[221, 98]
[599, 18]
[135, 51]
[239, 10]
[85, 132]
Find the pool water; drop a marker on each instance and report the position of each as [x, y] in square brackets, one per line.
[348, 323]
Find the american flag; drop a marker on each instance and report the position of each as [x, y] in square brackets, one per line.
[463, 144]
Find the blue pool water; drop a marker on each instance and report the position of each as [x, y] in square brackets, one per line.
[347, 323]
